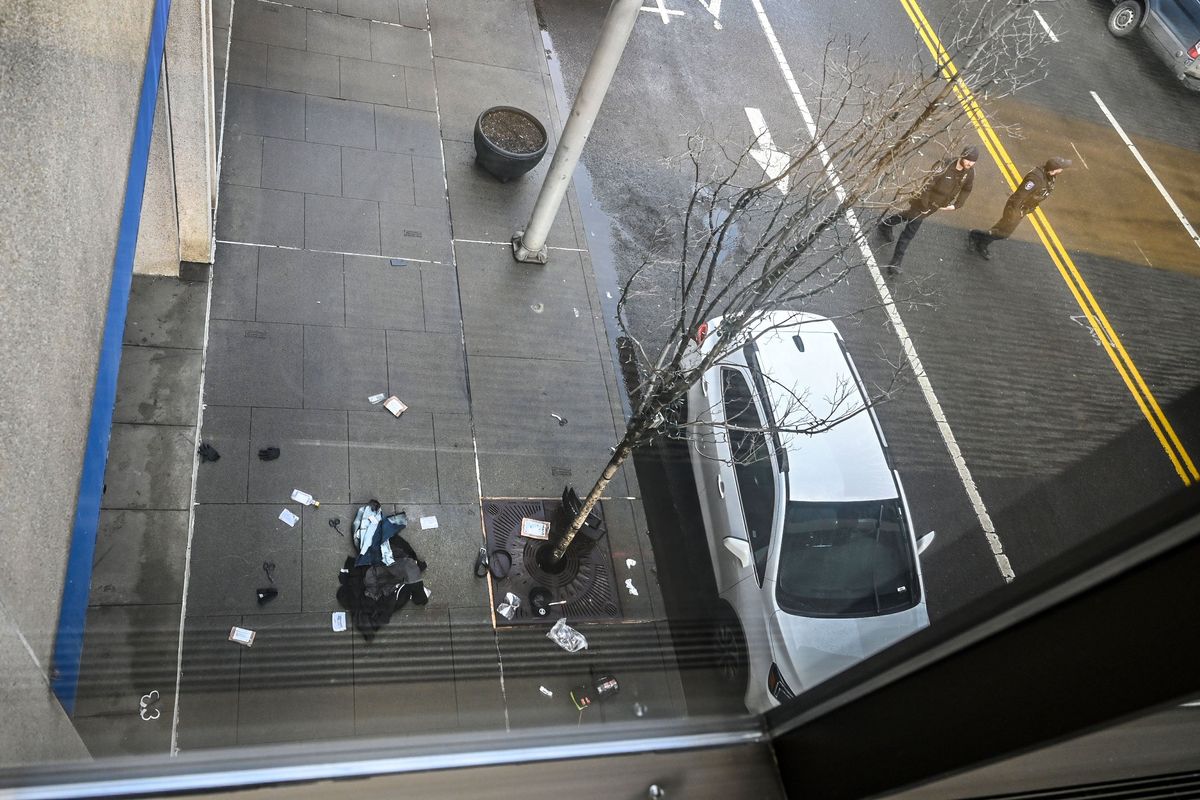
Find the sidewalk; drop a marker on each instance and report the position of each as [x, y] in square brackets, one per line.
[362, 252]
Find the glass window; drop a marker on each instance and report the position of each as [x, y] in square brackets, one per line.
[751, 464]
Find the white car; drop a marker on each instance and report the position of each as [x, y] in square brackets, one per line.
[810, 534]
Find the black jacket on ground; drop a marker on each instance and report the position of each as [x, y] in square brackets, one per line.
[372, 593]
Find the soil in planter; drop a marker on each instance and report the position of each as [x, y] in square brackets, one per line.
[512, 132]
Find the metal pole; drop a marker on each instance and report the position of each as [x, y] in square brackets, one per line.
[529, 245]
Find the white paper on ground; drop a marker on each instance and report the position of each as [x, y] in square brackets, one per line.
[629, 586]
[545, 691]
[428, 594]
[376, 399]
[241, 635]
[339, 621]
[630, 563]
[288, 517]
[428, 522]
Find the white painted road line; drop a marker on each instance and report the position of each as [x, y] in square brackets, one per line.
[1045, 26]
[1154, 178]
[663, 11]
[910, 351]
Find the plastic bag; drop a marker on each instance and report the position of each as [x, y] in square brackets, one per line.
[566, 637]
[508, 609]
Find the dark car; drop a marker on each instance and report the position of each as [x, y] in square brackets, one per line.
[1172, 27]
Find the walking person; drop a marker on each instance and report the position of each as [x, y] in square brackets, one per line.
[946, 190]
[1035, 187]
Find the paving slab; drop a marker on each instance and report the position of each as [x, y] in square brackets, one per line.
[128, 651]
[384, 10]
[230, 543]
[408, 47]
[260, 216]
[301, 166]
[414, 14]
[269, 23]
[264, 112]
[415, 232]
[522, 310]
[477, 687]
[429, 182]
[209, 681]
[439, 293]
[296, 681]
[380, 294]
[247, 62]
[407, 130]
[300, 287]
[422, 91]
[450, 550]
[484, 209]
[149, 467]
[392, 459]
[242, 159]
[227, 428]
[312, 457]
[158, 385]
[165, 312]
[338, 35]
[343, 122]
[372, 175]
[512, 39]
[318, 5]
[373, 82]
[341, 224]
[457, 482]
[400, 676]
[234, 282]
[139, 558]
[466, 89]
[427, 370]
[523, 450]
[343, 367]
[302, 71]
[325, 551]
[254, 364]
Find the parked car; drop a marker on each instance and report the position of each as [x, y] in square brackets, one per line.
[810, 535]
[1172, 28]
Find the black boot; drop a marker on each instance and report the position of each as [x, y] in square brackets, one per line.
[977, 240]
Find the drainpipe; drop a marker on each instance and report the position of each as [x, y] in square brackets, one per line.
[529, 245]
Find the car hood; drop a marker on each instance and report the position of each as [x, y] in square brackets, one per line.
[817, 647]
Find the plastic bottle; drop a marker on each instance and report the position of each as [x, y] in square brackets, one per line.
[305, 498]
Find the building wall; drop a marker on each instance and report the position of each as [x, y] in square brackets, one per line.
[68, 103]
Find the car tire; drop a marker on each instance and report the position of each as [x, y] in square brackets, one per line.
[729, 648]
[1125, 18]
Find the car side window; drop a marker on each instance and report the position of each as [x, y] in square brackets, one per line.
[749, 447]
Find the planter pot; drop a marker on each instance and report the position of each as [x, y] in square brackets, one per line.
[508, 142]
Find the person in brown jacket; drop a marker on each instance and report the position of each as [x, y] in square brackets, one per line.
[946, 190]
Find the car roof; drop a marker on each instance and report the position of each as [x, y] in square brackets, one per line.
[845, 462]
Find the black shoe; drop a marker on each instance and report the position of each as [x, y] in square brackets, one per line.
[885, 232]
[978, 244]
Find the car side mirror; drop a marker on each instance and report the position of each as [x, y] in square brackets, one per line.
[740, 549]
[924, 542]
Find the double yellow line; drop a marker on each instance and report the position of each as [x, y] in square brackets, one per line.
[1058, 254]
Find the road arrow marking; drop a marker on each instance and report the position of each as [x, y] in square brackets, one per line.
[772, 160]
[713, 7]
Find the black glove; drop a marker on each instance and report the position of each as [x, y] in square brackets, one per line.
[268, 454]
[207, 452]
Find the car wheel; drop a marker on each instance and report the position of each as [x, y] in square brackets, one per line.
[1125, 18]
[729, 648]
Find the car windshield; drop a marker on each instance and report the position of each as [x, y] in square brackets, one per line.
[846, 560]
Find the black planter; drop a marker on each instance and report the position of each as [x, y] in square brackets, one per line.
[500, 162]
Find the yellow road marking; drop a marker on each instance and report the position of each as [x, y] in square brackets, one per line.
[1128, 371]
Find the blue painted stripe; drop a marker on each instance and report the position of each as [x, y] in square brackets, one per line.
[72, 616]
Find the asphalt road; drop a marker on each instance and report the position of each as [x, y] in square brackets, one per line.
[1049, 429]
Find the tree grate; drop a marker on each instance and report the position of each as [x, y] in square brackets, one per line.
[585, 583]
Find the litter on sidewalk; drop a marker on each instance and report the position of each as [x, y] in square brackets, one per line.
[242, 635]
[428, 523]
[566, 637]
[376, 399]
[394, 405]
[545, 691]
[629, 585]
[288, 518]
[508, 609]
[535, 529]
[305, 498]
[339, 621]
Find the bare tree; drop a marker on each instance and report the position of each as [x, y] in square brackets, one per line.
[745, 244]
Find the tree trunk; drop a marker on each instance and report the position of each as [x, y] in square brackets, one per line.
[589, 502]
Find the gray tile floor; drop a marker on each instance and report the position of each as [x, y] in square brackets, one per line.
[360, 253]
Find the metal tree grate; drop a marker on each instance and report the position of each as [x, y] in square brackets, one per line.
[585, 583]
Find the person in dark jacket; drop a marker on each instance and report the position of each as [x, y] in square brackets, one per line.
[1035, 187]
[946, 190]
